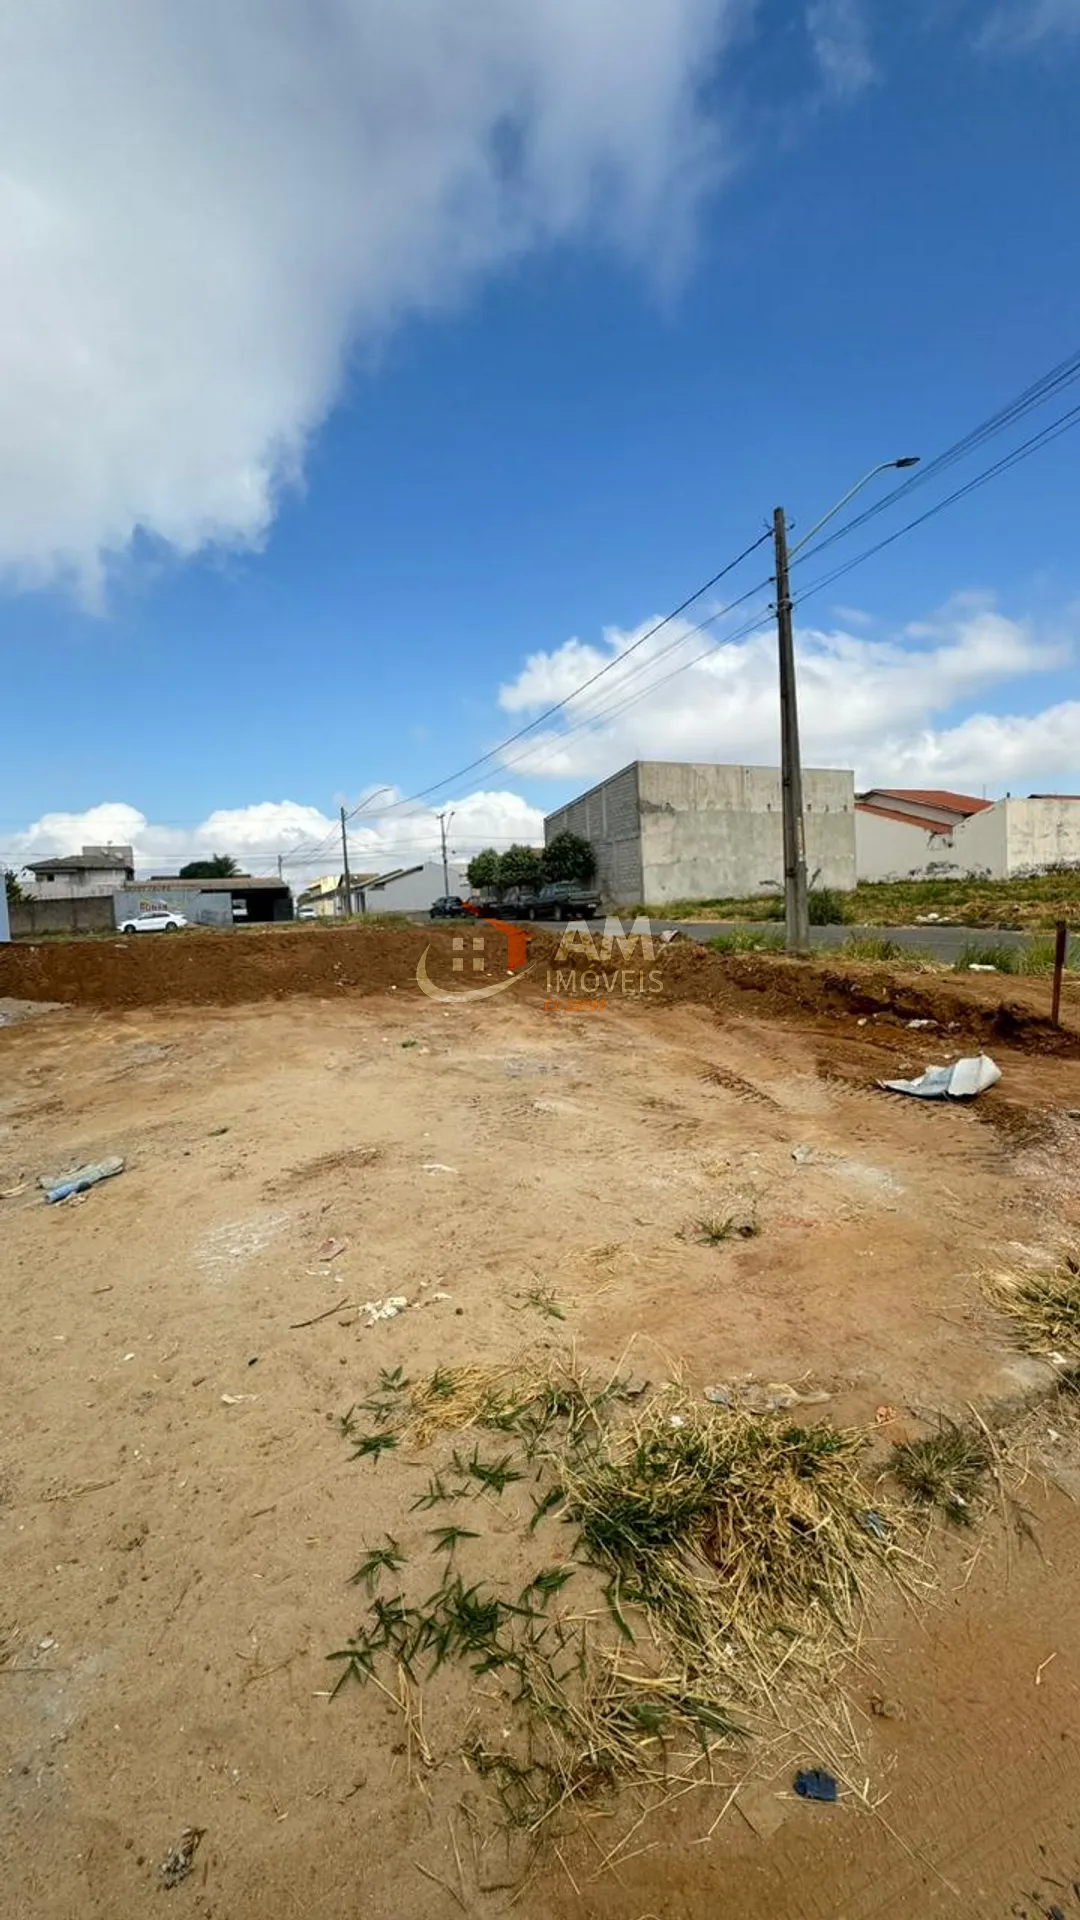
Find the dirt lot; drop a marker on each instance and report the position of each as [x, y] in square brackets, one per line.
[180, 1517]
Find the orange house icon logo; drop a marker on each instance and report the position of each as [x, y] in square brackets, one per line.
[472, 949]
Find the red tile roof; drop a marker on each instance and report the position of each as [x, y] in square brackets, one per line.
[905, 819]
[964, 803]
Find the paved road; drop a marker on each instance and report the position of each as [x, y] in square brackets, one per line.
[942, 943]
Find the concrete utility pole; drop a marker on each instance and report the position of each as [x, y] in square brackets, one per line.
[346, 877]
[444, 824]
[796, 905]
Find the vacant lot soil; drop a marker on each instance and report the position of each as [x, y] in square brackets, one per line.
[180, 1517]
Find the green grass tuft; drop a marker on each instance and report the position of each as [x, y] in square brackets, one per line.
[827, 907]
[945, 1470]
[747, 940]
[975, 954]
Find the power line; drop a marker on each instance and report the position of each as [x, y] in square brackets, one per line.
[1056, 428]
[497, 751]
[1051, 432]
[1064, 374]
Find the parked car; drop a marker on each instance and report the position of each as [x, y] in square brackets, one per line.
[450, 907]
[162, 920]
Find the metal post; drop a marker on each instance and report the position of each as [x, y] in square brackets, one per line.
[346, 876]
[1060, 950]
[796, 907]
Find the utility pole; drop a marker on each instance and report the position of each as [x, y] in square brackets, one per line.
[796, 907]
[280, 874]
[346, 877]
[444, 823]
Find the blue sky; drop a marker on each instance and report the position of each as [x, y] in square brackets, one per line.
[340, 411]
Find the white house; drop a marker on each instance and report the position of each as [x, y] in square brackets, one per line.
[411, 889]
[76, 876]
[931, 833]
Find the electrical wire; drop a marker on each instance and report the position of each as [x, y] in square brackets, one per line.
[498, 750]
[1053, 431]
[1064, 374]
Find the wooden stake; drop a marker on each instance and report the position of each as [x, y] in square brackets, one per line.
[1059, 968]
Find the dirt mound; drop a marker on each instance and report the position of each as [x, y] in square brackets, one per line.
[771, 985]
[219, 969]
[229, 969]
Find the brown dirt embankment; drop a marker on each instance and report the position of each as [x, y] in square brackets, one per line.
[231, 969]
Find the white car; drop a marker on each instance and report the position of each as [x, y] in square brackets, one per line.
[161, 920]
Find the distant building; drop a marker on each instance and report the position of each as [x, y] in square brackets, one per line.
[326, 898]
[401, 890]
[412, 889]
[239, 902]
[76, 876]
[666, 830]
[932, 833]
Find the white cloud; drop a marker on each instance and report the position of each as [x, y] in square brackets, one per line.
[838, 35]
[308, 839]
[204, 208]
[865, 703]
[1028, 23]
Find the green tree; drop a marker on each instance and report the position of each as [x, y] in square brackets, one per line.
[568, 857]
[12, 888]
[221, 867]
[483, 869]
[519, 867]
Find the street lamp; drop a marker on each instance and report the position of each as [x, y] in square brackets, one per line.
[796, 905]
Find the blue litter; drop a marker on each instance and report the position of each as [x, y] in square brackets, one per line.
[82, 1178]
[874, 1524]
[816, 1784]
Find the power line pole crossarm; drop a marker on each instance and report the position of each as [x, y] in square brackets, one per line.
[796, 904]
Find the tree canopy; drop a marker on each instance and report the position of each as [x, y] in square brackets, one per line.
[519, 867]
[568, 857]
[221, 866]
[483, 869]
[12, 888]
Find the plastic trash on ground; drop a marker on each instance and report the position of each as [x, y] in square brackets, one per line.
[962, 1081]
[82, 1178]
[815, 1784]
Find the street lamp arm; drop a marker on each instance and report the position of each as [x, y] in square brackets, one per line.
[908, 460]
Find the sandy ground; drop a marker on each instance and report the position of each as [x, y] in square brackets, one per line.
[180, 1518]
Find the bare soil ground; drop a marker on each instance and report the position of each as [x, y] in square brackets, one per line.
[179, 1514]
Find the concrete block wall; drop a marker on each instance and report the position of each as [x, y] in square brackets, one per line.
[92, 914]
[714, 832]
[1041, 834]
[608, 817]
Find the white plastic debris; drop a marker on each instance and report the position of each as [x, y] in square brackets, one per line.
[922, 1023]
[962, 1081]
[387, 1309]
[436, 1166]
[981, 966]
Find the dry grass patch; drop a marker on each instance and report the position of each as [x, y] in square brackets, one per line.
[1044, 1306]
